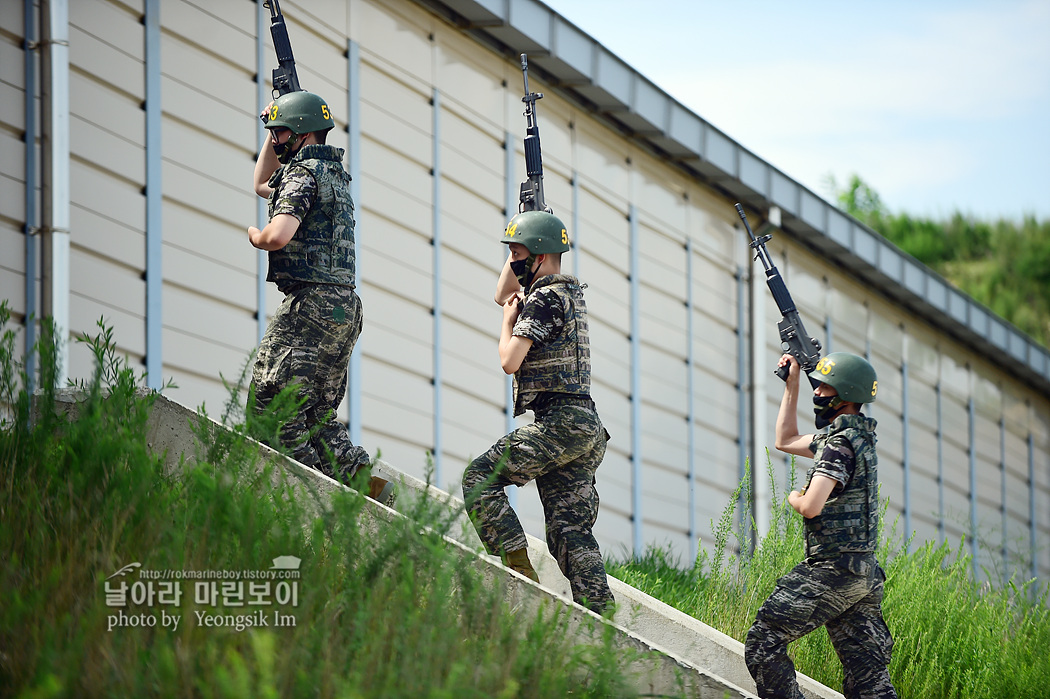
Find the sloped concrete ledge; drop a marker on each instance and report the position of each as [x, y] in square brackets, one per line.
[700, 645]
[677, 655]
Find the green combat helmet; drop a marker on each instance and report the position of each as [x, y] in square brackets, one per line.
[850, 375]
[540, 232]
[301, 112]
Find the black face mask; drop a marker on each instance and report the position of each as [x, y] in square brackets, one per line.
[522, 270]
[826, 407]
[285, 151]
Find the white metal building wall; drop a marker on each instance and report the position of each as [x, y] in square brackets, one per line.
[662, 253]
[18, 217]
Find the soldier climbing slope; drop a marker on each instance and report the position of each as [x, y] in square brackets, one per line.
[310, 239]
[544, 342]
[839, 584]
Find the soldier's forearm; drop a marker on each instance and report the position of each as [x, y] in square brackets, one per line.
[276, 234]
[507, 286]
[265, 166]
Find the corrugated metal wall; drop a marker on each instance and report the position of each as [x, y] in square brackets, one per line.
[14, 217]
[661, 253]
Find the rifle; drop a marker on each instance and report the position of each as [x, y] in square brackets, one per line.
[793, 336]
[285, 79]
[531, 195]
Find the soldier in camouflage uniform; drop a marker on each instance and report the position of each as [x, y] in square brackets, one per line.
[544, 342]
[839, 584]
[310, 239]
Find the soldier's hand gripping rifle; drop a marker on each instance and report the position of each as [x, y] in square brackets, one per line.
[531, 196]
[793, 336]
[285, 79]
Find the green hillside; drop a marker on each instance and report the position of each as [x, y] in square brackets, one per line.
[1003, 264]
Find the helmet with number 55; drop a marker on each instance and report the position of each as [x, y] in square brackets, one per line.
[852, 376]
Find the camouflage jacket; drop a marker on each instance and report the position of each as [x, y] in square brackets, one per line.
[554, 317]
[314, 188]
[849, 521]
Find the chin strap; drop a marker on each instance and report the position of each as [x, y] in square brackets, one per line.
[284, 151]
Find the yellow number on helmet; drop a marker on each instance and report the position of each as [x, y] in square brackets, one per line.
[564, 237]
[511, 230]
[825, 366]
[874, 388]
[324, 111]
[273, 112]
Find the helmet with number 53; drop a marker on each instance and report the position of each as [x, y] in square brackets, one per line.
[301, 112]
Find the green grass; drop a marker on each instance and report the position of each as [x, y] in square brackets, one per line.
[385, 610]
[954, 638]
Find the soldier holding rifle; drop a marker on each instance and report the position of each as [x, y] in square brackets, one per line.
[544, 342]
[839, 585]
[310, 240]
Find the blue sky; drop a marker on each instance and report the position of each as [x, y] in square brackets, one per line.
[939, 105]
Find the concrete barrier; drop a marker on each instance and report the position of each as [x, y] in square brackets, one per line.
[688, 638]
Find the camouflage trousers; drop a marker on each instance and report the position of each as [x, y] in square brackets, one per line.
[847, 599]
[308, 344]
[561, 451]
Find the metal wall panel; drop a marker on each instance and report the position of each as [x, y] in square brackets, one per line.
[603, 265]
[394, 240]
[602, 164]
[955, 426]
[849, 317]
[1040, 489]
[923, 451]
[127, 331]
[662, 265]
[17, 250]
[105, 40]
[470, 83]
[396, 35]
[12, 276]
[987, 477]
[1016, 547]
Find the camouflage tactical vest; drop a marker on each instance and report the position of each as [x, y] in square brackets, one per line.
[563, 364]
[849, 521]
[322, 249]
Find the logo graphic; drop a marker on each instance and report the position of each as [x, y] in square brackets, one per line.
[126, 569]
[286, 563]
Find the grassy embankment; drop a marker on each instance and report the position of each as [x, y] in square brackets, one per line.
[954, 638]
[387, 611]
